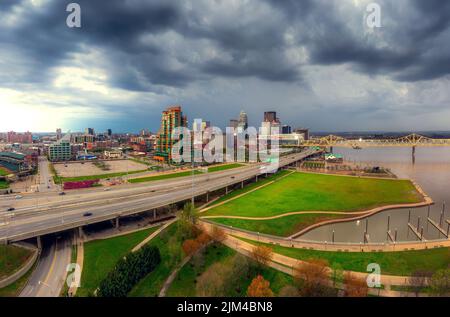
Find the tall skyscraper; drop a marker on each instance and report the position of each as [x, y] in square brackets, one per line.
[58, 134]
[89, 131]
[286, 129]
[109, 132]
[234, 123]
[243, 120]
[270, 116]
[171, 118]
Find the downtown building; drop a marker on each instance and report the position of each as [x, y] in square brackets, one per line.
[22, 138]
[171, 118]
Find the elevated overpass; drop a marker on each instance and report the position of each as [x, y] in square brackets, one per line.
[60, 216]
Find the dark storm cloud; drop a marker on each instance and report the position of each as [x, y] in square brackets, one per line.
[146, 44]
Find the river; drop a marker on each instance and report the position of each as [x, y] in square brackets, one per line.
[431, 171]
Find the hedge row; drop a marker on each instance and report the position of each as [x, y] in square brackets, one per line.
[129, 271]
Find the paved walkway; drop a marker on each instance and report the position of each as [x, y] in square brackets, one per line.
[288, 265]
[80, 260]
[154, 234]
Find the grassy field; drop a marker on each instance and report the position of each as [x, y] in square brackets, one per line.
[285, 226]
[184, 285]
[4, 184]
[392, 263]
[12, 258]
[315, 192]
[58, 179]
[15, 288]
[249, 187]
[182, 174]
[3, 172]
[169, 244]
[101, 256]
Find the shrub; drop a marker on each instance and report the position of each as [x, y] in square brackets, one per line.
[129, 271]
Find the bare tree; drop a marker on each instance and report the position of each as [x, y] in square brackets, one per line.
[312, 278]
[262, 255]
[217, 234]
[354, 286]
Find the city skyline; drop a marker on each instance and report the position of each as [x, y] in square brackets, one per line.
[314, 62]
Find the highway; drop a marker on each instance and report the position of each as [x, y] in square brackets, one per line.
[47, 280]
[62, 214]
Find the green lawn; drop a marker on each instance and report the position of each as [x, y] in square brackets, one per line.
[223, 167]
[12, 258]
[101, 256]
[249, 187]
[58, 179]
[316, 192]
[184, 285]
[183, 174]
[4, 184]
[285, 226]
[3, 172]
[169, 244]
[14, 289]
[392, 263]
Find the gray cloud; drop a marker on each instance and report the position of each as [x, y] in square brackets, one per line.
[182, 49]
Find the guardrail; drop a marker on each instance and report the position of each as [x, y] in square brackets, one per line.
[329, 246]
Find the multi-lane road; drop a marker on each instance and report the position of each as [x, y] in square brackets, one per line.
[58, 213]
[47, 280]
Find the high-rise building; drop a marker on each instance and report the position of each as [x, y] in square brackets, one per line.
[286, 129]
[243, 121]
[234, 123]
[171, 118]
[61, 150]
[270, 116]
[89, 131]
[58, 134]
[24, 138]
[303, 131]
[109, 132]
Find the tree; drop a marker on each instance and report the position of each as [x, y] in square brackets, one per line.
[217, 234]
[239, 270]
[190, 213]
[203, 238]
[440, 282]
[262, 255]
[289, 291]
[259, 287]
[190, 247]
[312, 278]
[418, 281]
[355, 287]
[212, 283]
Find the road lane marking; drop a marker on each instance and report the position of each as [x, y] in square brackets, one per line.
[52, 266]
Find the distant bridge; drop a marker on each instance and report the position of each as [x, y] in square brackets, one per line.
[412, 140]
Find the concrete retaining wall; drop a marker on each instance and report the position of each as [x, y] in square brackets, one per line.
[21, 272]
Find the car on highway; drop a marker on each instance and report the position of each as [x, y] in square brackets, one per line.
[11, 209]
[87, 214]
[107, 189]
[61, 193]
[18, 197]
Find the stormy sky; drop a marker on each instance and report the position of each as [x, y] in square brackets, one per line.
[315, 62]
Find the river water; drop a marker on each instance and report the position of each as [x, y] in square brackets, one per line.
[431, 170]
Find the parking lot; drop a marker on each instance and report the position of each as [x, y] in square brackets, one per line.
[88, 168]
